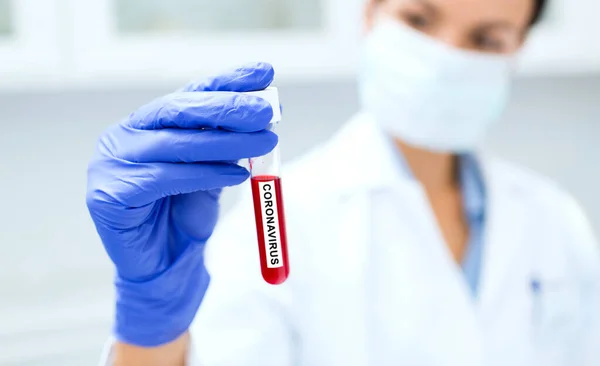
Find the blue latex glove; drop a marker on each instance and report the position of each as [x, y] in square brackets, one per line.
[153, 193]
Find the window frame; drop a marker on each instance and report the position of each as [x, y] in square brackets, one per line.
[101, 54]
[32, 53]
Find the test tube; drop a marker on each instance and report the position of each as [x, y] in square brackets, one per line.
[268, 203]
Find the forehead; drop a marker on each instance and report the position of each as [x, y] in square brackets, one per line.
[517, 12]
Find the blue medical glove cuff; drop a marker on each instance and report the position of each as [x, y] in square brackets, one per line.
[156, 312]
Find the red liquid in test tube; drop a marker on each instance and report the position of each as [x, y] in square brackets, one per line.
[270, 228]
[268, 203]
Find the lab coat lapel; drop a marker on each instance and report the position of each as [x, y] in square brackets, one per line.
[374, 167]
[354, 244]
[504, 238]
[385, 298]
[425, 297]
[349, 169]
[356, 155]
[504, 297]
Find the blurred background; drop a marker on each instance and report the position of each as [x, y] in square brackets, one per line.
[69, 68]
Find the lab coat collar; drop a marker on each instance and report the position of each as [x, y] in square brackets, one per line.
[360, 158]
[366, 158]
[369, 160]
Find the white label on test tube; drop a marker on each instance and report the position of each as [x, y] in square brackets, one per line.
[270, 221]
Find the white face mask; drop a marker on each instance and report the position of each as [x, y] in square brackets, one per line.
[429, 94]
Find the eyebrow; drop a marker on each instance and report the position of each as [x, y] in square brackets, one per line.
[430, 7]
[486, 26]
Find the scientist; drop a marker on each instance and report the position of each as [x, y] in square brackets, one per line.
[407, 246]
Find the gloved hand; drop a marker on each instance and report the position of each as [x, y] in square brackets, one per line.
[153, 194]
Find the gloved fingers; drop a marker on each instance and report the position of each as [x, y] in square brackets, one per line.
[185, 209]
[188, 146]
[249, 77]
[226, 110]
[136, 185]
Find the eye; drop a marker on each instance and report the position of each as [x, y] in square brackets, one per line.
[487, 43]
[417, 21]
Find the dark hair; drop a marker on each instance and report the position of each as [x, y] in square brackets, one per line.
[538, 11]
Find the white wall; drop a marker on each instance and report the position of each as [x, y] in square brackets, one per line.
[53, 272]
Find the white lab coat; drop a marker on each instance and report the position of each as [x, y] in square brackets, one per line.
[372, 282]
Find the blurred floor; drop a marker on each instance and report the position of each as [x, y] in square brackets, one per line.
[54, 276]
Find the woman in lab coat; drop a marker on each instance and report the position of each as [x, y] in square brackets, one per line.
[407, 247]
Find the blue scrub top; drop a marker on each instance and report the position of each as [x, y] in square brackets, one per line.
[474, 200]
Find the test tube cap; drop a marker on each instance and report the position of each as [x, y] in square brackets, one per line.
[271, 95]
